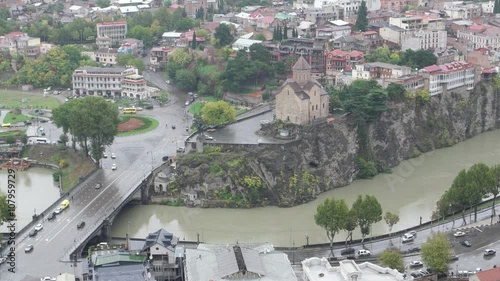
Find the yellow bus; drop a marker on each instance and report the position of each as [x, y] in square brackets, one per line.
[129, 111]
[6, 125]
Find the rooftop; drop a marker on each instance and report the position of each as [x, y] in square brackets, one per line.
[162, 237]
[112, 23]
[117, 258]
[449, 67]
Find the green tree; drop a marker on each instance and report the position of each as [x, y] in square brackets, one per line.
[395, 92]
[496, 7]
[496, 173]
[483, 178]
[351, 222]
[392, 259]
[259, 36]
[368, 211]
[436, 252]
[223, 35]
[391, 219]
[10, 140]
[362, 20]
[218, 113]
[285, 32]
[142, 33]
[103, 3]
[331, 216]
[464, 193]
[24, 139]
[185, 79]
[130, 60]
[5, 212]
[181, 57]
[193, 43]
[64, 139]
[200, 13]
[184, 24]
[92, 121]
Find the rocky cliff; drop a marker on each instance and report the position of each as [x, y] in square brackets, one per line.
[325, 156]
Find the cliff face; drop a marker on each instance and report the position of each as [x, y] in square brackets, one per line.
[324, 157]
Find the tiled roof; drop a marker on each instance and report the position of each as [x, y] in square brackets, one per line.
[161, 237]
[489, 275]
[301, 64]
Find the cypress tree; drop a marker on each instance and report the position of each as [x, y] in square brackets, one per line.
[285, 32]
[280, 34]
[275, 36]
[362, 20]
[194, 41]
[496, 7]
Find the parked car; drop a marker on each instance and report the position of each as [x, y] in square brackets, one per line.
[149, 106]
[173, 127]
[80, 225]
[27, 122]
[51, 216]
[168, 82]
[187, 103]
[489, 252]
[459, 234]
[423, 272]
[416, 264]
[104, 155]
[39, 227]
[29, 249]
[113, 156]
[413, 233]
[407, 238]
[113, 167]
[416, 274]
[47, 279]
[2, 260]
[348, 251]
[181, 149]
[58, 211]
[33, 233]
[466, 243]
[98, 185]
[165, 158]
[454, 258]
[414, 250]
[364, 252]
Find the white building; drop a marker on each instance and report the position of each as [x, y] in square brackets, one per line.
[416, 23]
[461, 10]
[244, 44]
[481, 36]
[379, 70]
[237, 263]
[110, 33]
[424, 39]
[442, 78]
[316, 269]
[350, 6]
[487, 7]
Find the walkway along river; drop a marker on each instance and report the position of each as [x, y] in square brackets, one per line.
[411, 191]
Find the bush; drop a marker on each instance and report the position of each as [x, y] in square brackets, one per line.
[367, 169]
[56, 175]
[212, 149]
[215, 169]
[63, 164]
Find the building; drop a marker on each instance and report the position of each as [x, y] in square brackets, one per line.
[417, 22]
[379, 70]
[19, 43]
[164, 256]
[424, 39]
[410, 82]
[244, 44]
[328, 13]
[338, 60]
[397, 5]
[191, 6]
[159, 55]
[110, 34]
[170, 37]
[110, 82]
[462, 10]
[487, 7]
[301, 99]
[486, 275]
[162, 179]
[481, 36]
[350, 7]
[316, 269]
[187, 39]
[334, 29]
[237, 262]
[117, 266]
[441, 78]
[131, 46]
[106, 55]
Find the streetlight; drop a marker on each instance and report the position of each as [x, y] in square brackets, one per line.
[307, 239]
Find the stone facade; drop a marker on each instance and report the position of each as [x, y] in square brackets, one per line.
[301, 99]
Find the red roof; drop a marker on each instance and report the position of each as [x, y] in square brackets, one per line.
[489, 275]
[15, 34]
[112, 23]
[267, 20]
[432, 68]
[489, 70]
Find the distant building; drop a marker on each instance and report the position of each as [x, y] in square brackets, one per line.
[244, 44]
[462, 10]
[424, 39]
[192, 6]
[301, 99]
[20, 43]
[161, 251]
[159, 55]
[170, 37]
[379, 70]
[316, 269]
[106, 56]
[338, 60]
[410, 82]
[441, 78]
[110, 82]
[131, 46]
[237, 263]
[117, 266]
[110, 34]
[481, 36]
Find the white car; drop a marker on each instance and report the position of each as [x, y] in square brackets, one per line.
[181, 149]
[168, 82]
[113, 167]
[58, 211]
[416, 264]
[47, 279]
[207, 137]
[104, 155]
[39, 227]
[407, 238]
[187, 103]
[459, 234]
[364, 253]
[113, 156]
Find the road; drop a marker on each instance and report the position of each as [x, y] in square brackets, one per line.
[135, 157]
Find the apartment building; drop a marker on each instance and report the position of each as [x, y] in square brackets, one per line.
[106, 55]
[379, 70]
[462, 10]
[397, 5]
[424, 39]
[417, 22]
[329, 13]
[338, 60]
[191, 6]
[410, 82]
[116, 82]
[441, 78]
[350, 7]
[333, 29]
[19, 43]
[110, 34]
[481, 36]
[159, 55]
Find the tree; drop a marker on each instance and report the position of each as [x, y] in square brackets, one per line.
[193, 43]
[64, 139]
[130, 60]
[24, 139]
[181, 57]
[391, 219]
[368, 211]
[362, 20]
[218, 113]
[351, 222]
[92, 121]
[392, 259]
[483, 178]
[259, 52]
[103, 3]
[259, 36]
[185, 79]
[10, 140]
[496, 7]
[436, 252]
[6, 213]
[184, 24]
[285, 32]
[495, 191]
[223, 35]
[200, 13]
[395, 92]
[331, 216]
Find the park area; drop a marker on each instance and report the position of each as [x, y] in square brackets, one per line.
[134, 125]
[18, 99]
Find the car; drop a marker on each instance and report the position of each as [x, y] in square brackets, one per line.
[150, 106]
[459, 234]
[58, 211]
[39, 227]
[414, 250]
[187, 103]
[27, 122]
[416, 264]
[47, 279]
[33, 233]
[113, 156]
[416, 274]
[173, 127]
[2, 260]
[181, 149]
[195, 96]
[489, 252]
[43, 133]
[412, 233]
[165, 158]
[51, 216]
[80, 225]
[364, 252]
[348, 251]
[104, 155]
[207, 137]
[454, 258]
[407, 238]
[113, 167]
[168, 82]
[465, 243]
[29, 249]
[98, 185]
[190, 93]
[423, 272]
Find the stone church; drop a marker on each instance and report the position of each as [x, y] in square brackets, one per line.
[301, 99]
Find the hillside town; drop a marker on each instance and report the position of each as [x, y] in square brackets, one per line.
[301, 55]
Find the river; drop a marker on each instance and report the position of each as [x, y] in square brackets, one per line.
[411, 191]
[35, 192]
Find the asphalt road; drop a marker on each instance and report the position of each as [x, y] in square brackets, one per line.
[135, 157]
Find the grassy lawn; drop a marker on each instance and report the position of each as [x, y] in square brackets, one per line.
[209, 99]
[78, 165]
[15, 133]
[195, 108]
[14, 118]
[15, 100]
[123, 102]
[149, 125]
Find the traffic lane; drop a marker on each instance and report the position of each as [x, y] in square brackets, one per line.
[475, 259]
